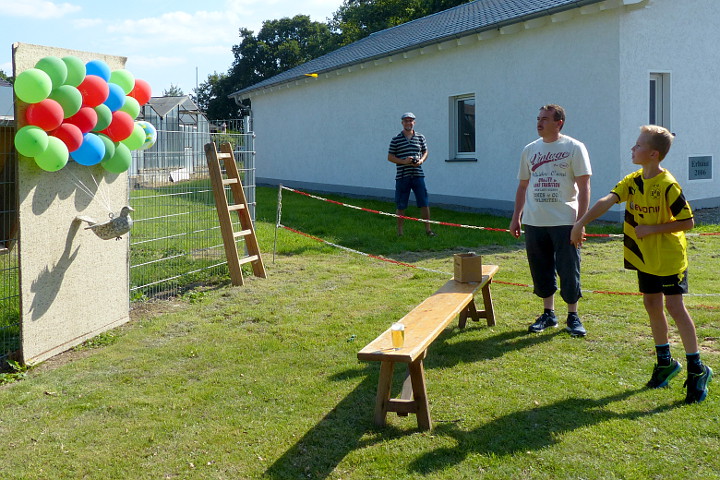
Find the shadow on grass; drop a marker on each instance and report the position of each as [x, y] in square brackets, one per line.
[526, 430]
[324, 446]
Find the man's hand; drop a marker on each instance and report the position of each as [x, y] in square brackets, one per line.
[577, 235]
[515, 228]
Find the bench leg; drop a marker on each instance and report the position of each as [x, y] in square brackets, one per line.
[469, 311]
[487, 300]
[417, 376]
[383, 392]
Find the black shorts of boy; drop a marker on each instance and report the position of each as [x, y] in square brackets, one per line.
[667, 285]
[550, 255]
[404, 185]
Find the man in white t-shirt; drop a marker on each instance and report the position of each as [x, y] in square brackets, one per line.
[553, 192]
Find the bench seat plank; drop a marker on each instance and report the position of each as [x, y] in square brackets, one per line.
[427, 321]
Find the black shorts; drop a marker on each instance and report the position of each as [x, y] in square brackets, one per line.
[668, 285]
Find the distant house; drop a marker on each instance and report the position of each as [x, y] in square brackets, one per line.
[6, 101]
[183, 131]
[475, 76]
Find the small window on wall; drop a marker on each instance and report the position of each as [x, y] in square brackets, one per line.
[659, 112]
[463, 127]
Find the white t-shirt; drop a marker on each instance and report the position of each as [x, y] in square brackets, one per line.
[551, 168]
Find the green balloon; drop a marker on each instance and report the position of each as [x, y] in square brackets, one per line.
[120, 161]
[31, 141]
[109, 146]
[33, 85]
[136, 138]
[124, 79]
[75, 70]
[131, 107]
[104, 117]
[54, 157]
[55, 68]
[69, 98]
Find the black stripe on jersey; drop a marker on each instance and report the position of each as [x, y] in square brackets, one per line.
[640, 184]
[630, 219]
[678, 205]
[632, 245]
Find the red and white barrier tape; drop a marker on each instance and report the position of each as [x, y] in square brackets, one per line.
[403, 264]
[449, 224]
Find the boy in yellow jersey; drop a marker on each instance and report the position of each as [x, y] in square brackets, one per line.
[656, 218]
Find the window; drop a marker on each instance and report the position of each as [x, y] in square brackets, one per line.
[659, 111]
[463, 127]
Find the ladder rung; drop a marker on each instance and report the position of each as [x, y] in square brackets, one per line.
[3, 250]
[224, 155]
[251, 258]
[242, 233]
[234, 208]
[230, 181]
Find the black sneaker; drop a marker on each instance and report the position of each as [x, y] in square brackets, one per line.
[575, 326]
[696, 384]
[542, 322]
[662, 375]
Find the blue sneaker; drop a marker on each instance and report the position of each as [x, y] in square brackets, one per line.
[696, 384]
[662, 375]
[575, 327]
[542, 322]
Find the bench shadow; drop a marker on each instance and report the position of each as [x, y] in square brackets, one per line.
[443, 353]
[323, 447]
[527, 430]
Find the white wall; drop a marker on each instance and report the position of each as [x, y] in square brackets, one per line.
[679, 38]
[332, 133]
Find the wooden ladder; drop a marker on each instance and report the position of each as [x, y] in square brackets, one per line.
[240, 206]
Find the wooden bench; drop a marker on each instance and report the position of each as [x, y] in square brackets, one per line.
[422, 326]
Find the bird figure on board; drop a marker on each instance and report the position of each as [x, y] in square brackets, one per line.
[115, 228]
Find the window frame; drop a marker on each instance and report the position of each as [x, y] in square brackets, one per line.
[455, 129]
[659, 99]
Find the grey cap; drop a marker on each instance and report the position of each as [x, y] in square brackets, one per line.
[408, 115]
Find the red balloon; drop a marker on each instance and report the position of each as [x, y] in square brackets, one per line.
[47, 114]
[85, 119]
[70, 135]
[141, 92]
[94, 90]
[121, 126]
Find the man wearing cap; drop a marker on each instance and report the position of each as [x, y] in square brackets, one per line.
[408, 150]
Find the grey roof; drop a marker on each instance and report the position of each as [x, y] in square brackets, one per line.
[163, 105]
[460, 21]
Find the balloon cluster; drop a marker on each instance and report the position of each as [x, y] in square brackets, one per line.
[82, 111]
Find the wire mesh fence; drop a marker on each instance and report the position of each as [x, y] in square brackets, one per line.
[9, 265]
[175, 242]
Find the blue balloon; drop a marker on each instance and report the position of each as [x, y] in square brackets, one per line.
[116, 98]
[99, 68]
[91, 151]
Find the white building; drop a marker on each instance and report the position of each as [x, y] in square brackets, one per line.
[475, 76]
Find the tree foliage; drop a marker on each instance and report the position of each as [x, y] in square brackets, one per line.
[286, 43]
[173, 91]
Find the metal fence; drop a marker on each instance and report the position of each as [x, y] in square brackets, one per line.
[175, 242]
[9, 265]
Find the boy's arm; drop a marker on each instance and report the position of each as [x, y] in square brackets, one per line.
[600, 207]
[670, 227]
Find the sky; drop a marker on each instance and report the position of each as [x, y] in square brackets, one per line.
[180, 42]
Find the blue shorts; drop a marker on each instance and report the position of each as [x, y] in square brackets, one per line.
[669, 285]
[404, 185]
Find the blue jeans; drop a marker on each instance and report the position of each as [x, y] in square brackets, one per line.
[404, 185]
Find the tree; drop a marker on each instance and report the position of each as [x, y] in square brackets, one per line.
[6, 77]
[173, 91]
[356, 19]
[280, 45]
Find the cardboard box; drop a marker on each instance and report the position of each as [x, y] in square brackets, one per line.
[468, 267]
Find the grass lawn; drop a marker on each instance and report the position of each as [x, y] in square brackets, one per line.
[262, 381]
